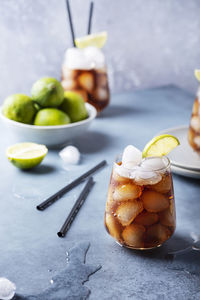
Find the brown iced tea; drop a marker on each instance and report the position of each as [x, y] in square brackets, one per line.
[194, 129]
[140, 214]
[92, 84]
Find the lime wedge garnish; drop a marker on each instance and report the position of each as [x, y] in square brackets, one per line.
[160, 145]
[26, 155]
[197, 74]
[97, 40]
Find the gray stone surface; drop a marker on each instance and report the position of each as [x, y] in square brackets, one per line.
[150, 43]
[29, 245]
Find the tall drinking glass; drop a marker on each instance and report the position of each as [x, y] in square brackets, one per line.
[84, 71]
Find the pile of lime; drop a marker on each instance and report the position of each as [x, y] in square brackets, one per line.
[48, 105]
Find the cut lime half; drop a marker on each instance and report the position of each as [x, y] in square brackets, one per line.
[97, 40]
[197, 74]
[160, 145]
[26, 155]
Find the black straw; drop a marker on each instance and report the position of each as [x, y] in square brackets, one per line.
[79, 202]
[69, 187]
[90, 17]
[70, 22]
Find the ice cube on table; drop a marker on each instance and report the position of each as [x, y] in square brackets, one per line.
[133, 235]
[131, 157]
[7, 289]
[127, 211]
[70, 155]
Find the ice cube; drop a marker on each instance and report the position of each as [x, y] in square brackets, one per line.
[154, 201]
[154, 163]
[127, 211]
[133, 235]
[131, 157]
[195, 123]
[7, 289]
[127, 192]
[95, 57]
[110, 203]
[196, 107]
[117, 177]
[101, 94]
[112, 226]
[86, 80]
[146, 218]
[167, 217]
[121, 171]
[68, 84]
[163, 186]
[157, 233]
[70, 155]
[145, 177]
[197, 140]
[75, 59]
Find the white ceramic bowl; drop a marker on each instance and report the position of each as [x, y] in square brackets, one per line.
[51, 136]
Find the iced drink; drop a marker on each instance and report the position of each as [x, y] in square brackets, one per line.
[194, 129]
[84, 71]
[140, 208]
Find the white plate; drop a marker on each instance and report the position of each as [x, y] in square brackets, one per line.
[185, 172]
[183, 156]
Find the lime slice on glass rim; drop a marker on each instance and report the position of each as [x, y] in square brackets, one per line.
[160, 145]
[97, 40]
[26, 155]
[197, 74]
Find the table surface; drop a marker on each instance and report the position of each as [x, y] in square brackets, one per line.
[29, 245]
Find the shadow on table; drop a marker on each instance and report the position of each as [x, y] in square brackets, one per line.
[117, 110]
[41, 170]
[92, 141]
[175, 243]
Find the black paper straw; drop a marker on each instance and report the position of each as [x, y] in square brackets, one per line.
[49, 201]
[90, 17]
[75, 209]
[70, 22]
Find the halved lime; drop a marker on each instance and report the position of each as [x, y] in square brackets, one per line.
[26, 155]
[197, 74]
[97, 40]
[160, 145]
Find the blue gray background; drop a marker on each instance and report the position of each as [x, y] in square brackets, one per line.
[151, 43]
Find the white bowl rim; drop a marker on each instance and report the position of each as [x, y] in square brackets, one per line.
[90, 109]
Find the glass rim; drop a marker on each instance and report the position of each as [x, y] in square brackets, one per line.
[119, 157]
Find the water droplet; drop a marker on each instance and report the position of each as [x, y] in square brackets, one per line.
[51, 281]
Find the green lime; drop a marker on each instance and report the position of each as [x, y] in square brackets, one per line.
[74, 105]
[97, 40]
[26, 155]
[51, 116]
[160, 145]
[47, 92]
[197, 74]
[20, 108]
